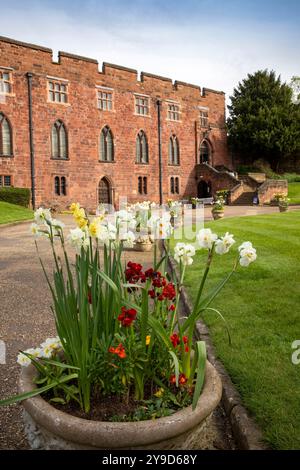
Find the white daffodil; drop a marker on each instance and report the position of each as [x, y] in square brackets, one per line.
[247, 256]
[53, 343]
[126, 218]
[112, 231]
[41, 215]
[128, 239]
[35, 229]
[160, 226]
[224, 244]
[245, 245]
[58, 224]
[24, 360]
[77, 238]
[35, 352]
[184, 252]
[47, 352]
[108, 233]
[206, 238]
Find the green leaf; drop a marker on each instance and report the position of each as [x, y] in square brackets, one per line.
[37, 391]
[201, 352]
[59, 364]
[176, 366]
[222, 318]
[58, 400]
[160, 331]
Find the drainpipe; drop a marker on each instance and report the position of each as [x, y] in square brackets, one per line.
[160, 177]
[32, 169]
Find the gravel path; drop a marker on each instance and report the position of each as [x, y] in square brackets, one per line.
[26, 319]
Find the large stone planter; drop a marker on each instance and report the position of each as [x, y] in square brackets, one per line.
[217, 214]
[48, 428]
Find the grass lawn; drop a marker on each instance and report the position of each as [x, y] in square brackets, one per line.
[13, 213]
[261, 304]
[294, 193]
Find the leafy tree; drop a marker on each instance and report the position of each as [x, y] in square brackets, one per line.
[264, 121]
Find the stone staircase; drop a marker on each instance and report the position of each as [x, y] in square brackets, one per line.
[250, 187]
[245, 199]
[243, 188]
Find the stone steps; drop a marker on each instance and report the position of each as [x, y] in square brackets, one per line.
[245, 199]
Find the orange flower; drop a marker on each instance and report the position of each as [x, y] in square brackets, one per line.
[119, 350]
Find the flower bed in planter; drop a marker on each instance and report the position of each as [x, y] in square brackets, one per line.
[120, 334]
[48, 428]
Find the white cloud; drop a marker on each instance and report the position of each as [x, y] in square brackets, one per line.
[215, 54]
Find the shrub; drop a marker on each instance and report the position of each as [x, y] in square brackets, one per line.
[291, 177]
[19, 196]
[265, 167]
[244, 169]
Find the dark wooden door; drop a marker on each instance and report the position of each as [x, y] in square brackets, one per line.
[203, 190]
[104, 192]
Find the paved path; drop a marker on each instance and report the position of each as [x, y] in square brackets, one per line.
[26, 319]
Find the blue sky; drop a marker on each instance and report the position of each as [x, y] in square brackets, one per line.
[211, 43]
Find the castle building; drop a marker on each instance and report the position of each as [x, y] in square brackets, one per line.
[70, 132]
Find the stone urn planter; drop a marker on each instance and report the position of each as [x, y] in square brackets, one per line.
[48, 428]
[283, 208]
[142, 245]
[217, 214]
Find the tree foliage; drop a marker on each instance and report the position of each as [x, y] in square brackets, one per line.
[264, 120]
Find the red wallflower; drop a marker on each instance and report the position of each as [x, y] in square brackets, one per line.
[172, 308]
[157, 282]
[149, 273]
[119, 350]
[182, 380]
[185, 340]
[169, 291]
[175, 339]
[127, 316]
[172, 379]
[133, 272]
[151, 293]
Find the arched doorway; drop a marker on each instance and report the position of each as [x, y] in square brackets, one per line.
[203, 189]
[104, 191]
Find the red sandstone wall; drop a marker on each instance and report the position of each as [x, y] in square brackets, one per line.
[84, 122]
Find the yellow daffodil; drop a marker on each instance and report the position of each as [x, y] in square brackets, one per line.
[79, 213]
[148, 339]
[74, 206]
[82, 223]
[159, 393]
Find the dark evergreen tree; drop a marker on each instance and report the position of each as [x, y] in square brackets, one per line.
[264, 121]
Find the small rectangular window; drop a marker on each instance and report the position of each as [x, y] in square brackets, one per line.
[172, 185]
[105, 100]
[63, 186]
[6, 180]
[57, 92]
[142, 105]
[173, 112]
[5, 82]
[57, 186]
[203, 118]
[140, 185]
[145, 189]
